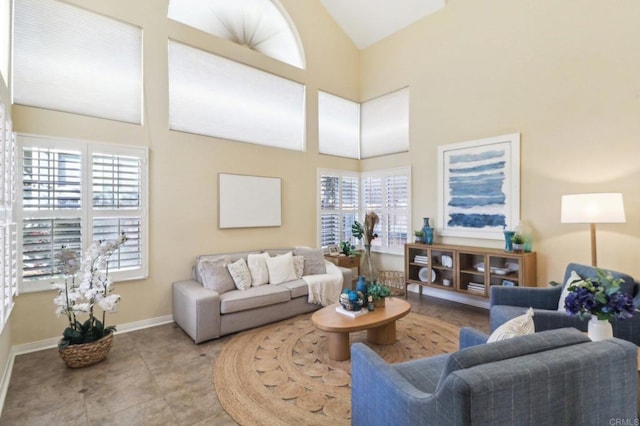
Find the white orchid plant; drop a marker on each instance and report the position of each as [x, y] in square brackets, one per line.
[85, 286]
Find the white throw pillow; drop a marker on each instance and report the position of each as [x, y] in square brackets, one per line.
[257, 264]
[240, 273]
[281, 268]
[519, 326]
[298, 266]
[565, 291]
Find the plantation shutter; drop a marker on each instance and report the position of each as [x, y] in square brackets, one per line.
[396, 220]
[338, 207]
[116, 192]
[372, 202]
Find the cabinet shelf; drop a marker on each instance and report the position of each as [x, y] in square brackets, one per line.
[464, 276]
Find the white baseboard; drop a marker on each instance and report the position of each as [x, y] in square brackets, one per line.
[52, 343]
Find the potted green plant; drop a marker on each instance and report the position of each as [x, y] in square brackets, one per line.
[419, 235]
[347, 248]
[518, 242]
[378, 292]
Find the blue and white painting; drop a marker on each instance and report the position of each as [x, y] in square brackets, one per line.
[478, 196]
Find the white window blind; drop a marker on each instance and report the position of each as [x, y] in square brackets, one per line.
[385, 124]
[339, 200]
[75, 193]
[70, 59]
[8, 234]
[388, 193]
[5, 37]
[338, 126]
[261, 25]
[214, 96]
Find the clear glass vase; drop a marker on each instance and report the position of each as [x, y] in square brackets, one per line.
[367, 268]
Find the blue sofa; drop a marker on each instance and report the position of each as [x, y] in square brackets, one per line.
[553, 377]
[509, 302]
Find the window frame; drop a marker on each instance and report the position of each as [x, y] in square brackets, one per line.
[86, 212]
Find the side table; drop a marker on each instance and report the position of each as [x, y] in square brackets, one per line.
[346, 262]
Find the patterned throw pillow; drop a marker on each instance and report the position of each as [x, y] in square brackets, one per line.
[519, 326]
[240, 273]
[298, 266]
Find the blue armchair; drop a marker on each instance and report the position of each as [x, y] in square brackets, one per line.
[509, 302]
[537, 379]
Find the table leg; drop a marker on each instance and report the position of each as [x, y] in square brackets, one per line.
[339, 346]
[383, 335]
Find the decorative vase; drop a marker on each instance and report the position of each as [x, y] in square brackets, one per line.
[367, 268]
[427, 230]
[599, 329]
[524, 229]
[361, 286]
[86, 354]
[508, 247]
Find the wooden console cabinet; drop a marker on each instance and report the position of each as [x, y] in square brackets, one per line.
[464, 269]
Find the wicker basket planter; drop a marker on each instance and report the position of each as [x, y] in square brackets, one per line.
[78, 356]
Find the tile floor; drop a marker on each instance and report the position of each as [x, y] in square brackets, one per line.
[156, 376]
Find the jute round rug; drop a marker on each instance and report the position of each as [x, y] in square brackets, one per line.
[280, 374]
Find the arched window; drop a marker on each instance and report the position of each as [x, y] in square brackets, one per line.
[261, 25]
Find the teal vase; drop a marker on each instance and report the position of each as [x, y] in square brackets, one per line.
[361, 286]
[428, 231]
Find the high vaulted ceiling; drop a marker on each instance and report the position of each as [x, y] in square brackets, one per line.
[369, 21]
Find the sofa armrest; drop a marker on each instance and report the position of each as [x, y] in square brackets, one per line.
[347, 277]
[380, 395]
[535, 297]
[471, 337]
[196, 310]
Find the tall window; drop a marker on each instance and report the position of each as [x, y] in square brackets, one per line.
[339, 201]
[8, 230]
[388, 193]
[346, 197]
[74, 193]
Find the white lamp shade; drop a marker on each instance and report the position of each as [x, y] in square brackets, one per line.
[592, 208]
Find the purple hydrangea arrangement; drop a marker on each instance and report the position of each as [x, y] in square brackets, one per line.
[600, 296]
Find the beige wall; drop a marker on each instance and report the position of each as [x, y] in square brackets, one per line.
[184, 168]
[562, 73]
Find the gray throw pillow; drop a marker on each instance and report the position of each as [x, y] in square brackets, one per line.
[313, 260]
[215, 275]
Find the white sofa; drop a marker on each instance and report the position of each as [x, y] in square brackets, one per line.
[207, 307]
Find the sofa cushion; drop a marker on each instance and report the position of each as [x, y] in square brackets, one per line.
[518, 326]
[281, 268]
[313, 260]
[255, 297]
[257, 263]
[215, 275]
[298, 288]
[240, 273]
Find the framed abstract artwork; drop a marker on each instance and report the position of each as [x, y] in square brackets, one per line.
[479, 187]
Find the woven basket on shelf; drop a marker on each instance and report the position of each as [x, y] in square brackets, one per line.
[86, 354]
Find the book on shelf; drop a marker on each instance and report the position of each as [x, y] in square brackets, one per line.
[352, 314]
[421, 259]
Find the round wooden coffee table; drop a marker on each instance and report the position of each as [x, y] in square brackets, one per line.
[380, 325]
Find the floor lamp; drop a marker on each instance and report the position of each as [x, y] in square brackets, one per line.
[592, 209]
